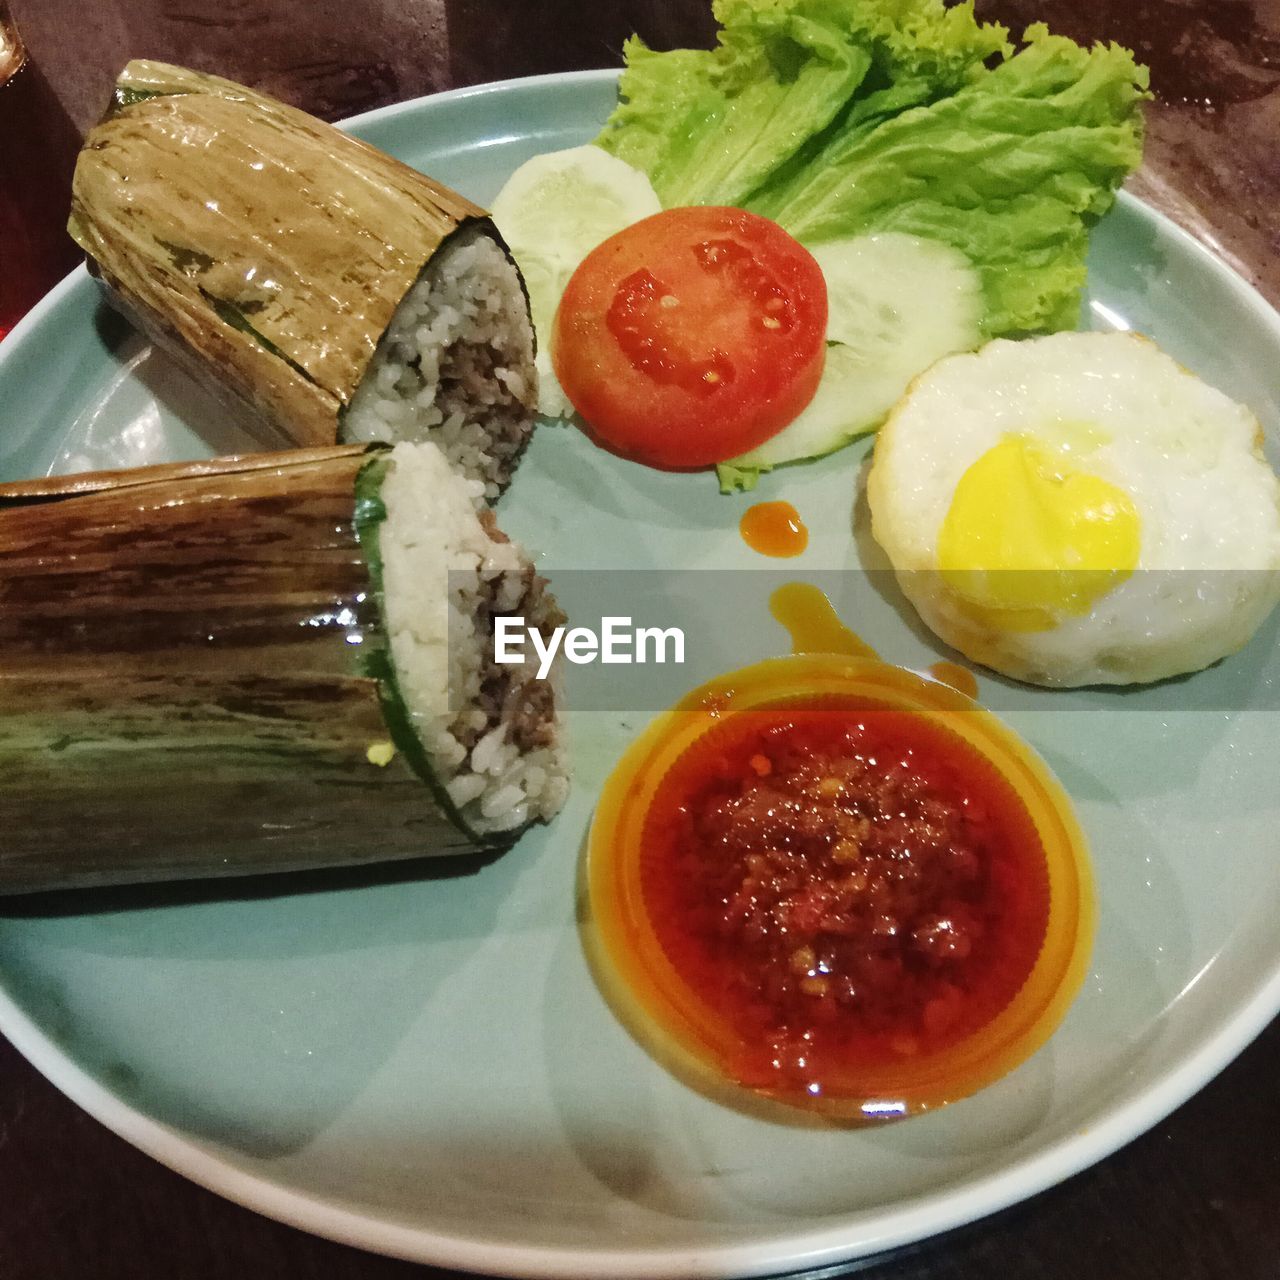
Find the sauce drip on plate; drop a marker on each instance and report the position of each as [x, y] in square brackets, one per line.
[813, 624]
[774, 529]
[961, 679]
[815, 627]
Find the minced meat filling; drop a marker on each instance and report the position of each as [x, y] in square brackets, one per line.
[512, 694]
[479, 378]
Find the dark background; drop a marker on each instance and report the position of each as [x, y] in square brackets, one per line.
[1198, 1198]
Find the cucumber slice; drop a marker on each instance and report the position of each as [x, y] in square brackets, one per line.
[896, 304]
[553, 210]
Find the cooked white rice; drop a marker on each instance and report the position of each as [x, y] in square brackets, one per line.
[456, 364]
[492, 732]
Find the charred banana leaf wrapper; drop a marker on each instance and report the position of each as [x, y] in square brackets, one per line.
[336, 293]
[262, 664]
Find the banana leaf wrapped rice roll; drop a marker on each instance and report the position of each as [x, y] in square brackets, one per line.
[264, 664]
[333, 292]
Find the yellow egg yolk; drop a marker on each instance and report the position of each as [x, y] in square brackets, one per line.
[1029, 539]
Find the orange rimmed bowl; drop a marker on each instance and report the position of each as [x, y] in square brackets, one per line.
[688, 1028]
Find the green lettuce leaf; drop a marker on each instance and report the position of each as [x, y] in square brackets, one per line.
[711, 127]
[839, 117]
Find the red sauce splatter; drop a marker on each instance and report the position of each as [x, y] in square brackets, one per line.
[774, 529]
[849, 886]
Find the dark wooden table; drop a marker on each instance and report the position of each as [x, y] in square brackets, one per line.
[1198, 1198]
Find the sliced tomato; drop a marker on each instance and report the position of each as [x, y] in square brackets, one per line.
[692, 335]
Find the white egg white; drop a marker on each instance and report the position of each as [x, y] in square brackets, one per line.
[1111, 405]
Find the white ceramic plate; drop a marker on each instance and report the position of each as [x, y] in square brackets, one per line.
[424, 1067]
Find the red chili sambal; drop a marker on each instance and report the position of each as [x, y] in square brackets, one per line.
[848, 886]
[839, 885]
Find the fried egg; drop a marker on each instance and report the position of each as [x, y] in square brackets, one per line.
[1078, 509]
